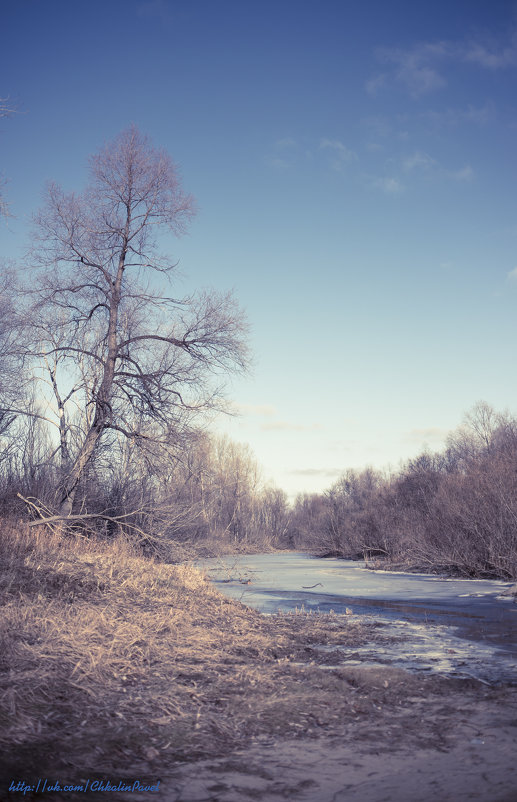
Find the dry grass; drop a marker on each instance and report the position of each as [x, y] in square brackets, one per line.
[112, 662]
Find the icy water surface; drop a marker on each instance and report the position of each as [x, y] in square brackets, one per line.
[458, 627]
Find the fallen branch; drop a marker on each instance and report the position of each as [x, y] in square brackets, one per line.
[50, 520]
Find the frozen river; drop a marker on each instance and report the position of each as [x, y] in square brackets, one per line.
[458, 627]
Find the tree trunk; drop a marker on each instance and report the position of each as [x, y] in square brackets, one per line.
[103, 409]
[78, 468]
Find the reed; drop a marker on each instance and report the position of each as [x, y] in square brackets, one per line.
[110, 661]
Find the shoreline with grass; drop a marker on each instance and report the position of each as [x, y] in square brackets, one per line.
[116, 667]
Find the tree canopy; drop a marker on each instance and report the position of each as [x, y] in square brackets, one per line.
[110, 339]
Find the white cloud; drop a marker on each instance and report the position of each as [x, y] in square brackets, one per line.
[325, 472]
[342, 154]
[286, 426]
[512, 275]
[375, 83]
[416, 167]
[379, 126]
[254, 409]
[431, 434]
[276, 163]
[464, 174]
[478, 115]
[390, 186]
[415, 68]
[418, 160]
[493, 56]
[420, 69]
[286, 153]
[420, 80]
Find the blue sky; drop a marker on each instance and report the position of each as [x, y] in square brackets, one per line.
[354, 167]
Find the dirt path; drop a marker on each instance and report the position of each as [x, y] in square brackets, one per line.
[471, 754]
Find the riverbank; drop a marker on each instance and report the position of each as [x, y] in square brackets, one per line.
[119, 668]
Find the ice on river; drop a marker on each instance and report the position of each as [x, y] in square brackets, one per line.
[458, 627]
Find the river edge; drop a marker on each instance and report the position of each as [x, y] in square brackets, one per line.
[452, 626]
[225, 550]
[118, 668]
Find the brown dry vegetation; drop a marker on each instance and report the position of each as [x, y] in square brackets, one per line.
[452, 512]
[114, 663]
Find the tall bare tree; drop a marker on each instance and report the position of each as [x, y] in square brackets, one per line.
[141, 360]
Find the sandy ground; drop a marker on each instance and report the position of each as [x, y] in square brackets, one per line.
[471, 754]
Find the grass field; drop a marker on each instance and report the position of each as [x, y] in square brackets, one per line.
[112, 663]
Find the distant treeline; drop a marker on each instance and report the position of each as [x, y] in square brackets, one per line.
[455, 510]
[206, 496]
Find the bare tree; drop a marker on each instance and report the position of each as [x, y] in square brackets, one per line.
[10, 378]
[476, 435]
[141, 361]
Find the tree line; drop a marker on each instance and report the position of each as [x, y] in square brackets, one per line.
[453, 510]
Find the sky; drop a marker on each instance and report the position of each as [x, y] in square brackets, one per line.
[354, 169]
